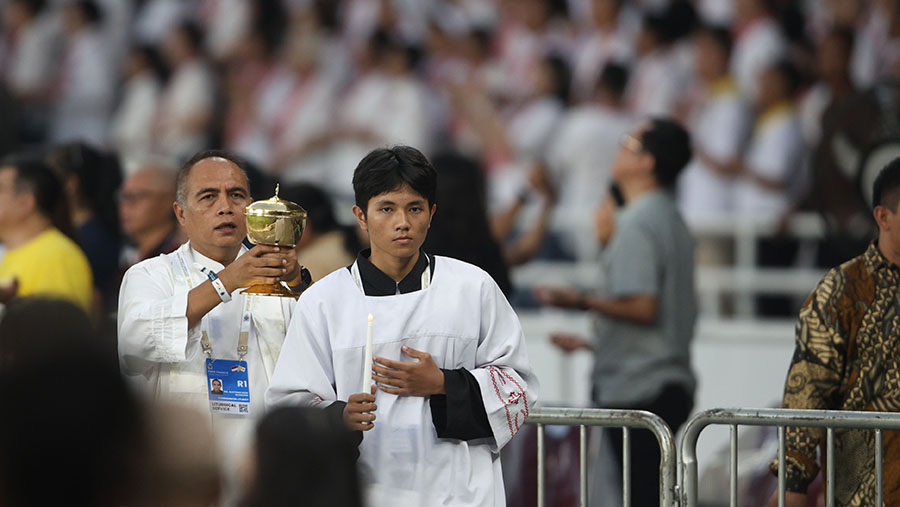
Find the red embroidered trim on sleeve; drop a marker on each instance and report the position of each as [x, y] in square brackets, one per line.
[513, 398]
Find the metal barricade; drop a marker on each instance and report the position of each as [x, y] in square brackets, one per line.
[625, 419]
[781, 418]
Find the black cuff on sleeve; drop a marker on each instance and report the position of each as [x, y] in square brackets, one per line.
[335, 412]
[460, 413]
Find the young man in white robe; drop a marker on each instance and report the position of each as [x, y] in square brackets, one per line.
[172, 305]
[452, 379]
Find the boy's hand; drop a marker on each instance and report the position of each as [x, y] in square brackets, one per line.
[421, 378]
[359, 412]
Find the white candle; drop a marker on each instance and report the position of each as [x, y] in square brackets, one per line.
[367, 360]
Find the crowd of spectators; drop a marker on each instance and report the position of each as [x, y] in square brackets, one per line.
[782, 97]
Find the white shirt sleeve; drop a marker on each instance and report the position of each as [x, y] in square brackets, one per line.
[152, 321]
[304, 373]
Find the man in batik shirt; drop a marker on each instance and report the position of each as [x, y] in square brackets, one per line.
[846, 358]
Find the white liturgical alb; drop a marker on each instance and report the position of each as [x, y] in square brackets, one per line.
[463, 320]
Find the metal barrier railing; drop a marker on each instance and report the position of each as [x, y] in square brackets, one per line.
[626, 419]
[781, 418]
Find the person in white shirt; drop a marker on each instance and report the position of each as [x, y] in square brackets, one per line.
[451, 371]
[27, 54]
[390, 90]
[605, 42]
[299, 125]
[182, 313]
[132, 125]
[579, 156]
[86, 80]
[758, 43]
[770, 174]
[719, 126]
[185, 108]
[658, 77]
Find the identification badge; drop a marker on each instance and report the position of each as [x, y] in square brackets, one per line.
[229, 386]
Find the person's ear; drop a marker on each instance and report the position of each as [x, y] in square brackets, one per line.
[882, 217]
[647, 163]
[431, 217]
[28, 202]
[179, 212]
[361, 218]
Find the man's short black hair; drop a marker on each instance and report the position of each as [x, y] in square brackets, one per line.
[185, 170]
[670, 145]
[35, 176]
[387, 169]
[886, 189]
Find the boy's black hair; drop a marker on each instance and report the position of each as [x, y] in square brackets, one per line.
[387, 169]
[886, 189]
[670, 145]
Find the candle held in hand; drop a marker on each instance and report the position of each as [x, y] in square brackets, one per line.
[367, 359]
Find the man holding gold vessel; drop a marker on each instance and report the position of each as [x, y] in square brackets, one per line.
[183, 320]
[443, 346]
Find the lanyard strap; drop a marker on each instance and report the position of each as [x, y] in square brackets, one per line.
[246, 320]
[425, 280]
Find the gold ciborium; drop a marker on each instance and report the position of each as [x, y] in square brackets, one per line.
[274, 222]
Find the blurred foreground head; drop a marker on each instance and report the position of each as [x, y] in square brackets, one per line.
[304, 458]
[72, 433]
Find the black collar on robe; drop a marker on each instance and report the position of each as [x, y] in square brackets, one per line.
[376, 283]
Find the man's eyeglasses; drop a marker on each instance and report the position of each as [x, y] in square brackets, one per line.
[631, 143]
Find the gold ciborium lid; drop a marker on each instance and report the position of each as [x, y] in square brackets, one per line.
[275, 221]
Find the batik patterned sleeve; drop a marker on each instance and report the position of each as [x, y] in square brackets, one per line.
[814, 376]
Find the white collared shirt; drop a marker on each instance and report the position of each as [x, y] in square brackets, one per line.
[161, 357]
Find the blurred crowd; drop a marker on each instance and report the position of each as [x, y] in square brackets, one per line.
[526, 100]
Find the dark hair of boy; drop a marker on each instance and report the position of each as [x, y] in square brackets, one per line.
[387, 169]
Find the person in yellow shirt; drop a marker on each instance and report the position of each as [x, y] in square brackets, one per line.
[40, 259]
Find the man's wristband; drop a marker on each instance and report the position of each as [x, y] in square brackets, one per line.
[223, 293]
[304, 283]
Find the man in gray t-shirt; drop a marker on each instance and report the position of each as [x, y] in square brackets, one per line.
[646, 309]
